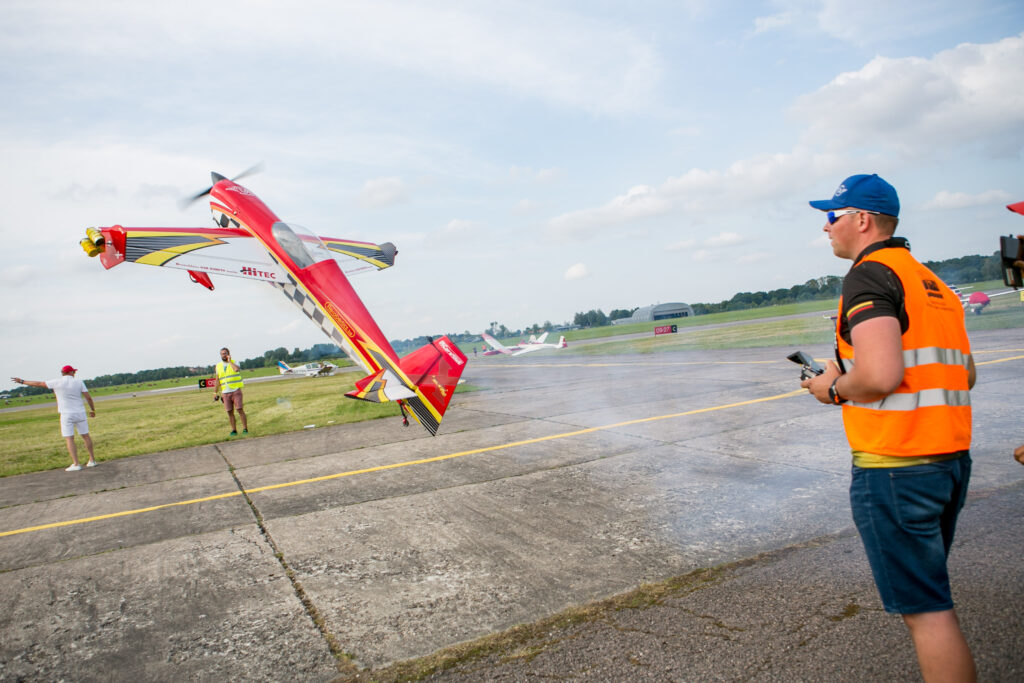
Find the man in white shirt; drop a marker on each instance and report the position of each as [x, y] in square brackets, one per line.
[69, 392]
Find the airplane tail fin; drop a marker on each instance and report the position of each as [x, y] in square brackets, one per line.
[561, 342]
[283, 367]
[433, 371]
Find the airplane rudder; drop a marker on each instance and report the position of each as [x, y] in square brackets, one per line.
[438, 381]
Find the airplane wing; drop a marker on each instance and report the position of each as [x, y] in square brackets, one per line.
[371, 255]
[532, 347]
[494, 343]
[538, 346]
[226, 251]
[541, 338]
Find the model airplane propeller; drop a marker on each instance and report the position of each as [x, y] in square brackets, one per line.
[217, 177]
[252, 243]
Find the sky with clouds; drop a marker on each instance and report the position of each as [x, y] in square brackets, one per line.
[529, 159]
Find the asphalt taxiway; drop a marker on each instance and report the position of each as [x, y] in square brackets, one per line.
[567, 479]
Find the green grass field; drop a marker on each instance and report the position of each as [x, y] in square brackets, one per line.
[713, 318]
[151, 423]
[130, 426]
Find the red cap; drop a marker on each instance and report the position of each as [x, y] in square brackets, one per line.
[66, 369]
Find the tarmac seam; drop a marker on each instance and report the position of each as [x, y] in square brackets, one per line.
[342, 658]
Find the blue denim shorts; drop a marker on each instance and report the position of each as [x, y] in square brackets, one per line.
[906, 517]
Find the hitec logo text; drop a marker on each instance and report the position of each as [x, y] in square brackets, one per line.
[246, 270]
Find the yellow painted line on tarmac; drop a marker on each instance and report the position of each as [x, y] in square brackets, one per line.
[999, 360]
[408, 463]
[123, 513]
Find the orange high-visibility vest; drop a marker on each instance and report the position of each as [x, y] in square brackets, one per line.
[929, 413]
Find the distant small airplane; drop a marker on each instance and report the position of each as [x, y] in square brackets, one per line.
[975, 301]
[307, 370]
[533, 344]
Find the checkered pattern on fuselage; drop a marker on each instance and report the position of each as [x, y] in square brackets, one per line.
[308, 306]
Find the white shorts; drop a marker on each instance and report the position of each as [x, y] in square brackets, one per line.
[70, 421]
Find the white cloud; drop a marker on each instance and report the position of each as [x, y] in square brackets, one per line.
[719, 247]
[682, 245]
[460, 228]
[909, 108]
[577, 272]
[924, 107]
[521, 174]
[383, 192]
[961, 200]
[526, 206]
[773, 22]
[744, 183]
[549, 175]
[639, 202]
[858, 22]
[753, 257]
[530, 50]
[724, 239]
[701, 255]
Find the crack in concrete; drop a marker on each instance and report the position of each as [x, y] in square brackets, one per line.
[343, 659]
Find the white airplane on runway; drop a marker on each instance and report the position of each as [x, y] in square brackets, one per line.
[307, 370]
[522, 347]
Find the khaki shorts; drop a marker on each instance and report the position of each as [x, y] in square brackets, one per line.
[232, 400]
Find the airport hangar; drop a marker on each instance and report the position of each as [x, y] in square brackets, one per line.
[657, 312]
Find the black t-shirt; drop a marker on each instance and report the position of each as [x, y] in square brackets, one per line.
[872, 290]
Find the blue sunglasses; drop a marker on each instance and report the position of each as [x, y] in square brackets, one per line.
[833, 216]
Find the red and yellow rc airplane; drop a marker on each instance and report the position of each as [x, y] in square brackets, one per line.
[251, 242]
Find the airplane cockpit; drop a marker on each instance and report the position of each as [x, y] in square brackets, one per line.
[300, 244]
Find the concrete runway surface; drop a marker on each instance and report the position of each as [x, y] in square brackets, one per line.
[567, 479]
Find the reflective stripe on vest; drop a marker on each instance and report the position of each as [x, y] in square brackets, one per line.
[230, 380]
[914, 357]
[930, 412]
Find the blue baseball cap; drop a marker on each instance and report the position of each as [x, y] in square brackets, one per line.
[868, 192]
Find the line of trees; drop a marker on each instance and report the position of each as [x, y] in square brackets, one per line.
[955, 271]
[952, 271]
[827, 287]
[297, 355]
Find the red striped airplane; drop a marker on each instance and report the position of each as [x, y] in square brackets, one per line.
[251, 242]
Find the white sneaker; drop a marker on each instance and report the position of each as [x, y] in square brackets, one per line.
[91, 463]
[73, 468]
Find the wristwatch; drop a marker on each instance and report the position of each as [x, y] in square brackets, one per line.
[833, 393]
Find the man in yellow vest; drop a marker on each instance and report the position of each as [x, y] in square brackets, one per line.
[229, 390]
[904, 378]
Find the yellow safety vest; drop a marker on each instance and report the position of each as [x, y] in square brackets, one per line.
[930, 412]
[230, 380]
